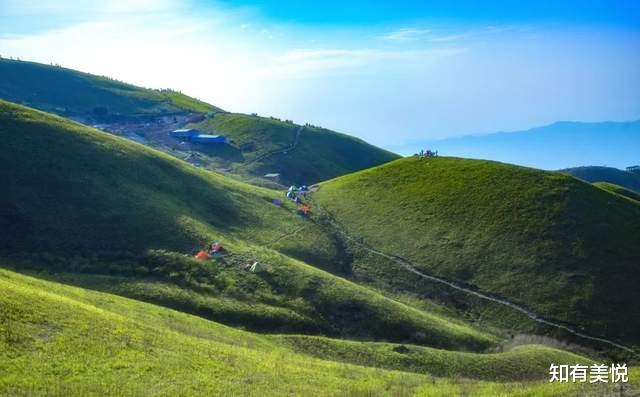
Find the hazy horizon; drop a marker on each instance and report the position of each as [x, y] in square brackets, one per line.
[561, 145]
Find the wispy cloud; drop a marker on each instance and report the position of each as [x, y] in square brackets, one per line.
[485, 31]
[406, 34]
[441, 35]
[306, 61]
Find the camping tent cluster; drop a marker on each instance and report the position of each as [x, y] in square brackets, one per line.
[298, 196]
[212, 250]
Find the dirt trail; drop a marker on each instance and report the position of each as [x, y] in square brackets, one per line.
[286, 235]
[502, 301]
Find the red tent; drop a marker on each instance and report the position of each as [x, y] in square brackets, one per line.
[202, 255]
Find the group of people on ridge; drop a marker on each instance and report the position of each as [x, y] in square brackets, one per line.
[428, 153]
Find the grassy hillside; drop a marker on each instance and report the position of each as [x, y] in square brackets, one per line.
[82, 201]
[64, 341]
[69, 92]
[77, 191]
[271, 146]
[547, 240]
[526, 362]
[626, 179]
[617, 189]
[289, 296]
[257, 144]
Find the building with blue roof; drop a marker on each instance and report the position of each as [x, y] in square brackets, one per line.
[205, 138]
[194, 135]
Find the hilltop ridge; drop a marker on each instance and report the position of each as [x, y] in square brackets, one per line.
[546, 240]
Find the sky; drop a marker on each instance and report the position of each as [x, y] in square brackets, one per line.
[390, 72]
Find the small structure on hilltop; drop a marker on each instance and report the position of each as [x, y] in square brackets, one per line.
[195, 136]
[634, 169]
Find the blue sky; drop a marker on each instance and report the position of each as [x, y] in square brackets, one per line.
[389, 72]
[365, 12]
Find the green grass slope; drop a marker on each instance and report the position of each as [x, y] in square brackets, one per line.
[59, 340]
[561, 246]
[74, 190]
[525, 362]
[319, 154]
[82, 201]
[617, 189]
[626, 179]
[69, 92]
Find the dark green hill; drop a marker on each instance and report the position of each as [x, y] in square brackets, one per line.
[626, 179]
[300, 154]
[69, 92]
[546, 240]
[68, 188]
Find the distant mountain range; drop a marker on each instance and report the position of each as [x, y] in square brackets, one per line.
[556, 146]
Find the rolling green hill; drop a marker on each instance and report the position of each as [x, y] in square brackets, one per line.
[626, 179]
[257, 145]
[68, 92]
[82, 201]
[115, 195]
[300, 154]
[64, 341]
[548, 241]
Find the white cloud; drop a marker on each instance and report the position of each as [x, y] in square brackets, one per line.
[441, 35]
[406, 34]
[488, 30]
[360, 56]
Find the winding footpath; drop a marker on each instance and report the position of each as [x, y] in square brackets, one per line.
[286, 235]
[414, 269]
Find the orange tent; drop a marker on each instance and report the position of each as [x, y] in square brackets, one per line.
[202, 255]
